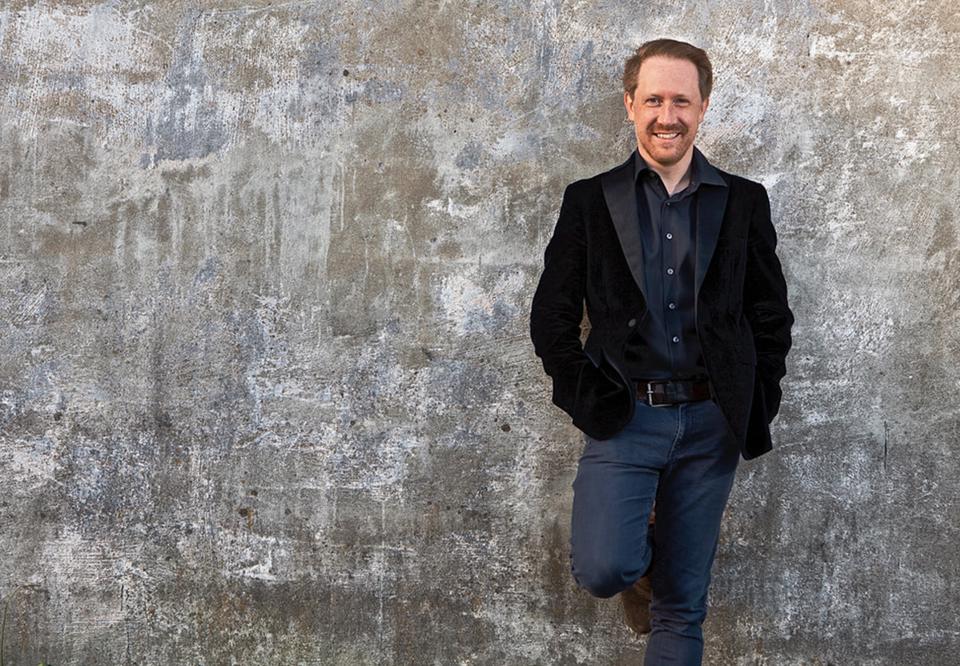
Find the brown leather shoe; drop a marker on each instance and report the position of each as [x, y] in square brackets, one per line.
[636, 605]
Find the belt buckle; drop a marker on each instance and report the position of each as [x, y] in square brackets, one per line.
[650, 397]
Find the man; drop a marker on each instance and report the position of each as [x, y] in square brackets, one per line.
[680, 373]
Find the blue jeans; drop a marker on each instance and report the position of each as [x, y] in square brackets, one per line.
[684, 456]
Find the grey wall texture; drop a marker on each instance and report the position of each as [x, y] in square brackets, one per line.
[267, 394]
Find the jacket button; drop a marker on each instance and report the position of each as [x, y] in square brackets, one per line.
[631, 323]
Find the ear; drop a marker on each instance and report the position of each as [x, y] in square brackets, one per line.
[628, 102]
[703, 108]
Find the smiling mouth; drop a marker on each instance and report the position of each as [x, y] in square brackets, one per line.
[666, 136]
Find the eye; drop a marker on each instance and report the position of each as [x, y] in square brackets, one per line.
[652, 101]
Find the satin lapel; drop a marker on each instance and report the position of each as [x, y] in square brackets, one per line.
[711, 202]
[621, 198]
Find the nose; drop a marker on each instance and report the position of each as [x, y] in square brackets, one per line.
[667, 114]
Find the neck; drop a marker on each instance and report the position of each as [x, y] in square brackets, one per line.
[671, 174]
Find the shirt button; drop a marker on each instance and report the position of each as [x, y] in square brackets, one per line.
[672, 305]
[676, 339]
[668, 203]
[669, 271]
[669, 236]
[631, 323]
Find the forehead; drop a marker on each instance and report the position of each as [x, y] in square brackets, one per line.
[668, 77]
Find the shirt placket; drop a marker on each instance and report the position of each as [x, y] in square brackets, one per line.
[671, 264]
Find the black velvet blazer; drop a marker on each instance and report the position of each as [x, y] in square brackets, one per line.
[595, 257]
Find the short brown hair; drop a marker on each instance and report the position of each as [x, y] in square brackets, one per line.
[669, 48]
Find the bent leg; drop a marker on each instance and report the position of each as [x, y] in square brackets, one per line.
[614, 490]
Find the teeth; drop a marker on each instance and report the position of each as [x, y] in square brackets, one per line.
[668, 136]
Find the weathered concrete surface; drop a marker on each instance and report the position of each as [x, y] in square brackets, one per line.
[266, 390]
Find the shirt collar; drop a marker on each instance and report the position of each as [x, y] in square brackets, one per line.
[702, 172]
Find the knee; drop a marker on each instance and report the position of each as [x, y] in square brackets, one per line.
[604, 579]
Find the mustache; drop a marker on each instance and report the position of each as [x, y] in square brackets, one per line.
[666, 130]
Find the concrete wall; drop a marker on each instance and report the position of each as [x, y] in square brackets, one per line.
[266, 388]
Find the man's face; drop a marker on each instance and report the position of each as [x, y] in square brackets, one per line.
[666, 109]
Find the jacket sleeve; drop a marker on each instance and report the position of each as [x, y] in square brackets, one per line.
[765, 303]
[557, 307]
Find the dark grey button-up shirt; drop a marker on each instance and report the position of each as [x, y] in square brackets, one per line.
[664, 343]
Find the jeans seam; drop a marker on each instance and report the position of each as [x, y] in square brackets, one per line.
[679, 434]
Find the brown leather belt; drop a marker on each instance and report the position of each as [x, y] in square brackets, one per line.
[664, 392]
